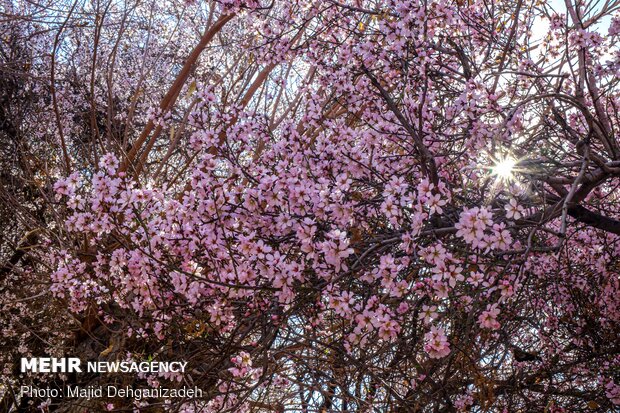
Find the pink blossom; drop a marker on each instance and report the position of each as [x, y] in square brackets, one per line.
[513, 209]
[436, 343]
[428, 313]
[488, 318]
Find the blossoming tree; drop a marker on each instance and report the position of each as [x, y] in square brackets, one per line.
[321, 206]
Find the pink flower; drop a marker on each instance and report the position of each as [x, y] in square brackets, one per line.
[614, 27]
[109, 163]
[501, 238]
[434, 204]
[390, 208]
[402, 308]
[557, 21]
[472, 224]
[434, 253]
[463, 402]
[242, 365]
[488, 318]
[428, 313]
[436, 343]
[389, 329]
[337, 249]
[453, 274]
[612, 391]
[513, 209]
[366, 320]
[342, 304]
[475, 278]
[61, 187]
[425, 189]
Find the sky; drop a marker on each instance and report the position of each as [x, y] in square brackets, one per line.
[541, 26]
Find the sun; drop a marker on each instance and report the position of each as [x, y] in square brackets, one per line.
[504, 168]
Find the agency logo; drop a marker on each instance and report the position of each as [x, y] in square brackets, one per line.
[51, 365]
[74, 365]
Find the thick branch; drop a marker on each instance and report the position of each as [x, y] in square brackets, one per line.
[593, 219]
[171, 96]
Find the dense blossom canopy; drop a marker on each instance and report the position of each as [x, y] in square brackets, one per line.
[321, 206]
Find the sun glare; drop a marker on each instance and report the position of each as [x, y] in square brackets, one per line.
[504, 168]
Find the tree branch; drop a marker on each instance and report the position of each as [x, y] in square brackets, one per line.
[593, 219]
